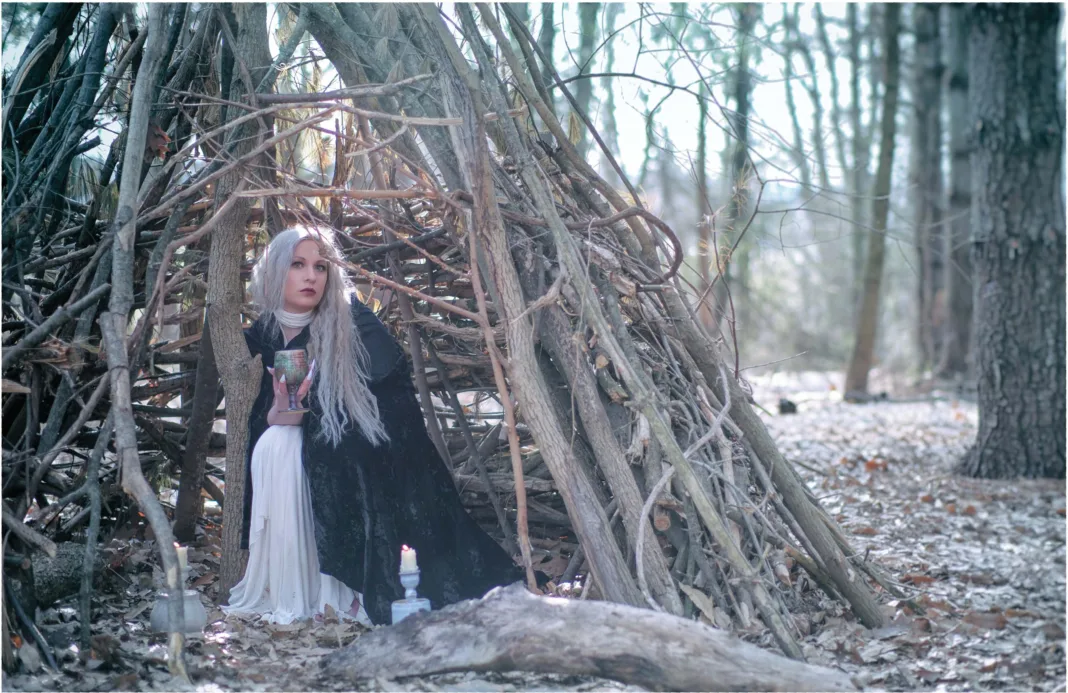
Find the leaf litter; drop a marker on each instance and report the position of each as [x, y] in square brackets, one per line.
[981, 564]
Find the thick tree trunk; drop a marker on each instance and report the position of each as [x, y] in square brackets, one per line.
[226, 295]
[506, 631]
[925, 182]
[864, 347]
[956, 348]
[1018, 233]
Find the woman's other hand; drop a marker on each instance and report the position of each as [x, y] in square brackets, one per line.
[278, 416]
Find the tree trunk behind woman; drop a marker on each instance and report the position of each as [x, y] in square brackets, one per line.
[226, 297]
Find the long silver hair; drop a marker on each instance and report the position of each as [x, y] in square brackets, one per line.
[341, 359]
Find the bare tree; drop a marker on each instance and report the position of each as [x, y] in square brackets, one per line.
[547, 38]
[612, 12]
[740, 170]
[704, 212]
[861, 154]
[830, 56]
[956, 347]
[588, 12]
[925, 181]
[868, 320]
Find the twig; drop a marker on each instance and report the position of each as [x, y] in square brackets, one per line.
[35, 632]
[113, 325]
[639, 551]
[29, 534]
[27, 65]
[380, 145]
[68, 437]
[444, 305]
[772, 363]
[338, 192]
[413, 120]
[358, 92]
[396, 245]
[159, 291]
[92, 486]
[472, 447]
[45, 329]
[166, 205]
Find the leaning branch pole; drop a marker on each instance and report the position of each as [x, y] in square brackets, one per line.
[114, 323]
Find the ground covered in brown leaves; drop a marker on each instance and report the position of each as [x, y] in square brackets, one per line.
[982, 563]
[984, 559]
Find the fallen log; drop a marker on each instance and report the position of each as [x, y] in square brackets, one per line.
[512, 629]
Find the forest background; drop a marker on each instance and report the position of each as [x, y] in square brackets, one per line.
[815, 76]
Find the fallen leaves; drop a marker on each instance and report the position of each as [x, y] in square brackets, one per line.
[982, 562]
[917, 579]
[989, 621]
[157, 143]
[30, 657]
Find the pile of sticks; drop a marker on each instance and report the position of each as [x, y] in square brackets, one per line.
[566, 379]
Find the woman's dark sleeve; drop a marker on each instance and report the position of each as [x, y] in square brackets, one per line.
[257, 424]
[385, 354]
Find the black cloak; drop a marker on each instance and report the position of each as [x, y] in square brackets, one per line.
[368, 500]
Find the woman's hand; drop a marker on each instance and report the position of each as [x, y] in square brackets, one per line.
[277, 416]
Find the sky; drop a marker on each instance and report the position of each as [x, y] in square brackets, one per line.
[679, 116]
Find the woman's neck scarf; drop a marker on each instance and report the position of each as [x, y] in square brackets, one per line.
[293, 320]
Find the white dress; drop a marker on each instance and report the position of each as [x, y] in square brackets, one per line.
[282, 582]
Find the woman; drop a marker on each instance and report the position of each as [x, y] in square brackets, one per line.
[335, 492]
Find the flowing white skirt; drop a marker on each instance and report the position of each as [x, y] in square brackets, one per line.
[282, 582]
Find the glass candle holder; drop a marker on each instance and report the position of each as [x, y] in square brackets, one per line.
[412, 602]
[194, 615]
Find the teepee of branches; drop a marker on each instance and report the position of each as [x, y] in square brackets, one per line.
[564, 375]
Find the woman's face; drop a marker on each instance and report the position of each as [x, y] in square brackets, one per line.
[306, 280]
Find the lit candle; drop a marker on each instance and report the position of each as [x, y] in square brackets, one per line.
[182, 551]
[408, 564]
